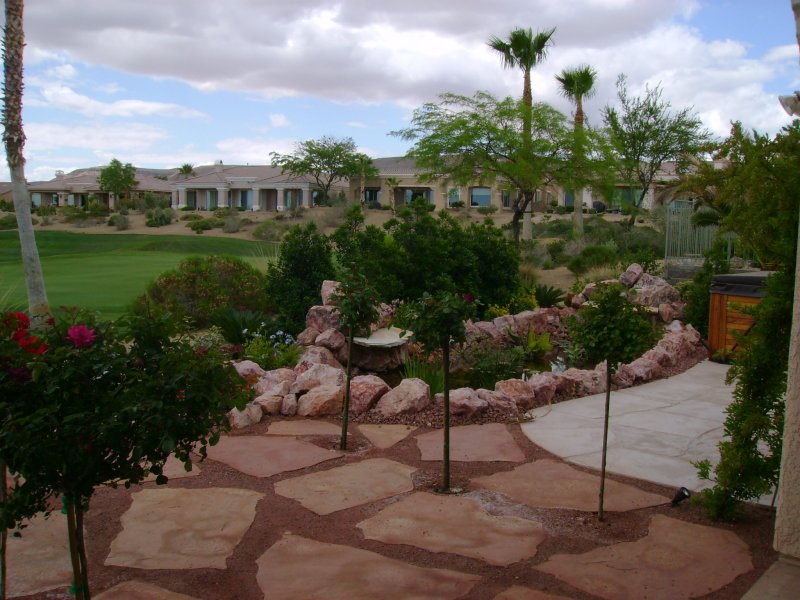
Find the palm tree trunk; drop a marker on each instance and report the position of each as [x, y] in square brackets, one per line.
[600, 514]
[14, 141]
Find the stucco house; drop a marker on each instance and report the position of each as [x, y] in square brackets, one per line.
[77, 187]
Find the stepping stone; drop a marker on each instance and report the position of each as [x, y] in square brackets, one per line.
[351, 485]
[139, 590]
[551, 484]
[174, 469]
[385, 436]
[518, 592]
[304, 428]
[455, 524]
[39, 560]
[178, 528]
[675, 560]
[472, 443]
[297, 567]
[266, 456]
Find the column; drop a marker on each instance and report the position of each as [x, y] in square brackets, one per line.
[256, 198]
[222, 197]
[181, 197]
[280, 206]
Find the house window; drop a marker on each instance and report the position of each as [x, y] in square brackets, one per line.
[412, 194]
[506, 196]
[211, 199]
[453, 196]
[244, 199]
[36, 199]
[569, 199]
[480, 196]
[191, 199]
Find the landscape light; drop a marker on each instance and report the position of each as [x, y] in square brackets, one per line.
[681, 495]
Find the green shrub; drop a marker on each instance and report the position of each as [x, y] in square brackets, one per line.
[428, 370]
[119, 221]
[548, 264]
[193, 216]
[72, 214]
[494, 311]
[239, 326]
[491, 362]
[274, 351]
[97, 209]
[457, 204]
[224, 212]
[547, 296]
[8, 222]
[270, 231]
[205, 224]
[158, 217]
[556, 249]
[593, 256]
[200, 286]
[7, 206]
[524, 299]
[232, 225]
[487, 210]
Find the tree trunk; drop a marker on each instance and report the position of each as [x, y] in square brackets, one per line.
[74, 550]
[520, 206]
[3, 533]
[446, 445]
[600, 514]
[14, 141]
[82, 550]
[577, 214]
[346, 404]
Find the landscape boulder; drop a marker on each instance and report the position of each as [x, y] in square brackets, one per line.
[315, 376]
[316, 355]
[544, 387]
[271, 379]
[631, 275]
[329, 288]
[249, 415]
[365, 391]
[586, 382]
[308, 336]
[463, 402]
[270, 403]
[412, 395]
[645, 370]
[652, 291]
[377, 359]
[248, 368]
[517, 391]
[324, 400]
[322, 318]
[289, 405]
[332, 339]
[497, 401]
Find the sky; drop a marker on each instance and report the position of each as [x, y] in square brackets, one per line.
[161, 83]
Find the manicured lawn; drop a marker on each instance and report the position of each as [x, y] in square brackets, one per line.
[107, 272]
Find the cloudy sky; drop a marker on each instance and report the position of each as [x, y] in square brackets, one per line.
[161, 83]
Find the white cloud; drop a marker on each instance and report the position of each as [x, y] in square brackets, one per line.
[356, 124]
[118, 139]
[65, 98]
[278, 120]
[63, 72]
[252, 151]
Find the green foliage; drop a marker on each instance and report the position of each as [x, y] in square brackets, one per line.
[697, 294]
[547, 296]
[238, 326]
[117, 179]
[104, 406]
[119, 221]
[232, 225]
[534, 346]
[593, 256]
[487, 210]
[524, 299]
[270, 231]
[490, 362]
[8, 222]
[273, 351]
[158, 217]
[6, 206]
[611, 328]
[327, 160]
[493, 311]
[201, 285]
[436, 320]
[428, 369]
[293, 282]
[97, 209]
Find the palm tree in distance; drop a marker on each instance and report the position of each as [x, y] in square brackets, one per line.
[187, 170]
[577, 84]
[524, 50]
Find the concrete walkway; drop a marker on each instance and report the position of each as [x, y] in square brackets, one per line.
[656, 430]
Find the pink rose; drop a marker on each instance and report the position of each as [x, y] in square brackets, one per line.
[81, 335]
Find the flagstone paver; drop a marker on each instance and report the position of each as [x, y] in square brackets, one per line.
[297, 567]
[675, 560]
[517, 592]
[551, 484]
[442, 523]
[325, 492]
[179, 528]
[139, 590]
[262, 456]
[304, 427]
[385, 436]
[39, 560]
[475, 443]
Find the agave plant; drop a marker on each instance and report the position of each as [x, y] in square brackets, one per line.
[547, 296]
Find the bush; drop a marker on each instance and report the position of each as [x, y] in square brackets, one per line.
[494, 311]
[205, 224]
[232, 225]
[490, 362]
[97, 209]
[270, 231]
[224, 212]
[487, 210]
[8, 222]
[158, 217]
[556, 249]
[239, 326]
[457, 204]
[201, 285]
[593, 256]
[274, 351]
[524, 299]
[547, 296]
[427, 369]
[193, 216]
[72, 214]
[7, 206]
[119, 221]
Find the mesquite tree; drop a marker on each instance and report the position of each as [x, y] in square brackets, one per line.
[613, 329]
[436, 322]
[357, 304]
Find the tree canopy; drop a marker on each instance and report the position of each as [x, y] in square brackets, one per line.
[117, 179]
[327, 160]
[646, 133]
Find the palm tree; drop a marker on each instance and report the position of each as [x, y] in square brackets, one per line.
[187, 170]
[524, 50]
[577, 84]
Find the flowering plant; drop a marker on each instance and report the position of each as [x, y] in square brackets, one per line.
[278, 349]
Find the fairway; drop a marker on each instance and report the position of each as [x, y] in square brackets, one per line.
[107, 272]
